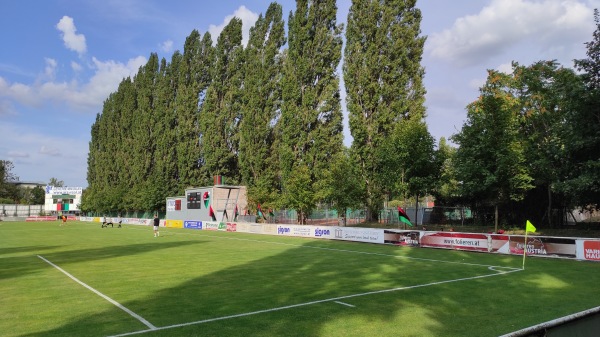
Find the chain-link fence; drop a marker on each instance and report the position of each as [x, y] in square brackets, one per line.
[319, 217]
[327, 216]
[428, 216]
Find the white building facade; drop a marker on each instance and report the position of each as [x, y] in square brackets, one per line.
[61, 200]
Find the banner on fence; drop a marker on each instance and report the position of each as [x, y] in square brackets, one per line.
[192, 224]
[211, 225]
[359, 234]
[460, 241]
[174, 223]
[43, 218]
[588, 250]
[581, 249]
[402, 237]
[540, 246]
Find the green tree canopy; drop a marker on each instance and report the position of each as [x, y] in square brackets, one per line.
[490, 161]
[258, 157]
[384, 82]
[56, 183]
[310, 127]
[8, 190]
[221, 111]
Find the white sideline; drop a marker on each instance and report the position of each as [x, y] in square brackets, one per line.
[342, 250]
[117, 304]
[335, 299]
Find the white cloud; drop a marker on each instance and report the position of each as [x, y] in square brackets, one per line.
[166, 46]
[88, 96]
[17, 91]
[444, 98]
[505, 68]
[50, 151]
[31, 150]
[547, 25]
[17, 154]
[477, 83]
[50, 69]
[76, 66]
[248, 19]
[106, 79]
[12, 69]
[72, 40]
[6, 108]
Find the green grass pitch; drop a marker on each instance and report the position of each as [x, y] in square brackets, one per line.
[83, 280]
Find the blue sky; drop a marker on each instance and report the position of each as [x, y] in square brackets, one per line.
[60, 59]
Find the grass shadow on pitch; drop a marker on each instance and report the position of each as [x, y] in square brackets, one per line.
[25, 249]
[240, 300]
[15, 267]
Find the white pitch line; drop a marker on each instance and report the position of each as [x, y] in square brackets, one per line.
[335, 299]
[117, 304]
[347, 250]
[346, 304]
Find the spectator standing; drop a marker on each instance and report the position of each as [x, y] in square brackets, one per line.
[156, 224]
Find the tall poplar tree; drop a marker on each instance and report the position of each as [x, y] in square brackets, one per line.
[143, 134]
[383, 77]
[311, 117]
[164, 166]
[262, 104]
[109, 152]
[193, 79]
[125, 100]
[221, 111]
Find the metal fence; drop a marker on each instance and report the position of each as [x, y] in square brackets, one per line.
[127, 214]
[13, 210]
[428, 215]
[329, 217]
[319, 217]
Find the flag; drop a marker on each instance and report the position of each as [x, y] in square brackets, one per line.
[206, 198]
[529, 227]
[260, 213]
[212, 213]
[403, 217]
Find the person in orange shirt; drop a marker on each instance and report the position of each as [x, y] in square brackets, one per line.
[64, 220]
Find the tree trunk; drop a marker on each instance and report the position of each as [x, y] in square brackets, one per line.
[496, 219]
[417, 211]
[549, 207]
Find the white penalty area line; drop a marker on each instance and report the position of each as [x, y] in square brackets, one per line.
[346, 304]
[335, 300]
[117, 304]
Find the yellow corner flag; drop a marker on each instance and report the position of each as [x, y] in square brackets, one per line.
[529, 227]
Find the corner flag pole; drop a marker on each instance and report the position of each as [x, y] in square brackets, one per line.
[524, 250]
[528, 228]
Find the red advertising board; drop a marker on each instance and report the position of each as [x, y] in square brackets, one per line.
[540, 246]
[588, 249]
[591, 250]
